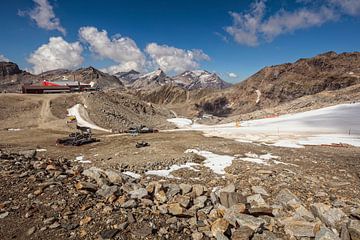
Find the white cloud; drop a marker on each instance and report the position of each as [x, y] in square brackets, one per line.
[171, 59]
[349, 7]
[251, 27]
[56, 54]
[232, 75]
[122, 50]
[44, 16]
[3, 58]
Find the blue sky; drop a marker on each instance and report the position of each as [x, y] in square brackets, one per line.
[231, 36]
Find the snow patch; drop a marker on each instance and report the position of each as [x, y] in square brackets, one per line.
[14, 129]
[258, 159]
[217, 163]
[82, 118]
[80, 159]
[132, 174]
[180, 122]
[167, 172]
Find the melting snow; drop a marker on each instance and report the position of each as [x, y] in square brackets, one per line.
[14, 129]
[167, 172]
[132, 174]
[259, 159]
[80, 159]
[180, 122]
[217, 163]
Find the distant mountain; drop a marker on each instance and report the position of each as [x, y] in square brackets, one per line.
[11, 77]
[88, 75]
[282, 83]
[200, 79]
[152, 80]
[128, 78]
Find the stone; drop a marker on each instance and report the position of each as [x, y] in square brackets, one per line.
[285, 196]
[198, 190]
[172, 190]
[185, 188]
[197, 236]
[354, 229]
[163, 209]
[54, 225]
[30, 231]
[85, 220]
[326, 234]
[199, 202]
[184, 201]
[96, 174]
[160, 196]
[114, 177]
[228, 199]
[220, 225]
[49, 220]
[332, 217]
[138, 193]
[107, 191]
[302, 213]
[258, 206]
[259, 190]
[175, 209]
[232, 213]
[220, 236]
[86, 186]
[4, 215]
[129, 204]
[300, 228]
[242, 233]
[131, 218]
[344, 235]
[250, 221]
[109, 234]
[143, 231]
[29, 154]
[266, 235]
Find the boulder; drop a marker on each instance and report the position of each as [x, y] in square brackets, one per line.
[354, 229]
[332, 217]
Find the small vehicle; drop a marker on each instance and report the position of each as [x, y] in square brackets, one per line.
[141, 129]
[78, 138]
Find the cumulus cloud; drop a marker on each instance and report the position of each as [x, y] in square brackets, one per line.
[171, 59]
[232, 75]
[3, 58]
[122, 50]
[349, 7]
[44, 16]
[56, 54]
[251, 27]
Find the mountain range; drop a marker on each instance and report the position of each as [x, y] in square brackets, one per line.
[207, 92]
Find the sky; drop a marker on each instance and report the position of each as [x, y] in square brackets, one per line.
[234, 38]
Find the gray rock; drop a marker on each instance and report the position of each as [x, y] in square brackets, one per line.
[258, 206]
[109, 234]
[326, 234]
[29, 154]
[129, 204]
[332, 217]
[4, 215]
[96, 174]
[242, 233]
[233, 216]
[354, 229]
[185, 188]
[197, 236]
[30, 231]
[228, 199]
[172, 190]
[184, 201]
[198, 189]
[300, 228]
[114, 176]
[285, 196]
[302, 213]
[199, 202]
[259, 190]
[138, 193]
[266, 235]
[107, 191]
[49, 220]
[54, 225]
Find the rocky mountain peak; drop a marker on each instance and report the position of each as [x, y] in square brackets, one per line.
[8, 69]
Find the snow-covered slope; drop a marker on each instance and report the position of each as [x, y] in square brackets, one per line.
[151, 80]
[336, 124]
[199, 79]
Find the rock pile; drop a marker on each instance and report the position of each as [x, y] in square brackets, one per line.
[58, 199]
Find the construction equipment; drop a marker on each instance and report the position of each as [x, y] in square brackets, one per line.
[82, 137]
[141, 129]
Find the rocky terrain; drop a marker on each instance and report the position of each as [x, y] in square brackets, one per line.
[61, 199]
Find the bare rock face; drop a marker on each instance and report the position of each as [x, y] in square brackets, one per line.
[8, 69]
[289, 81]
